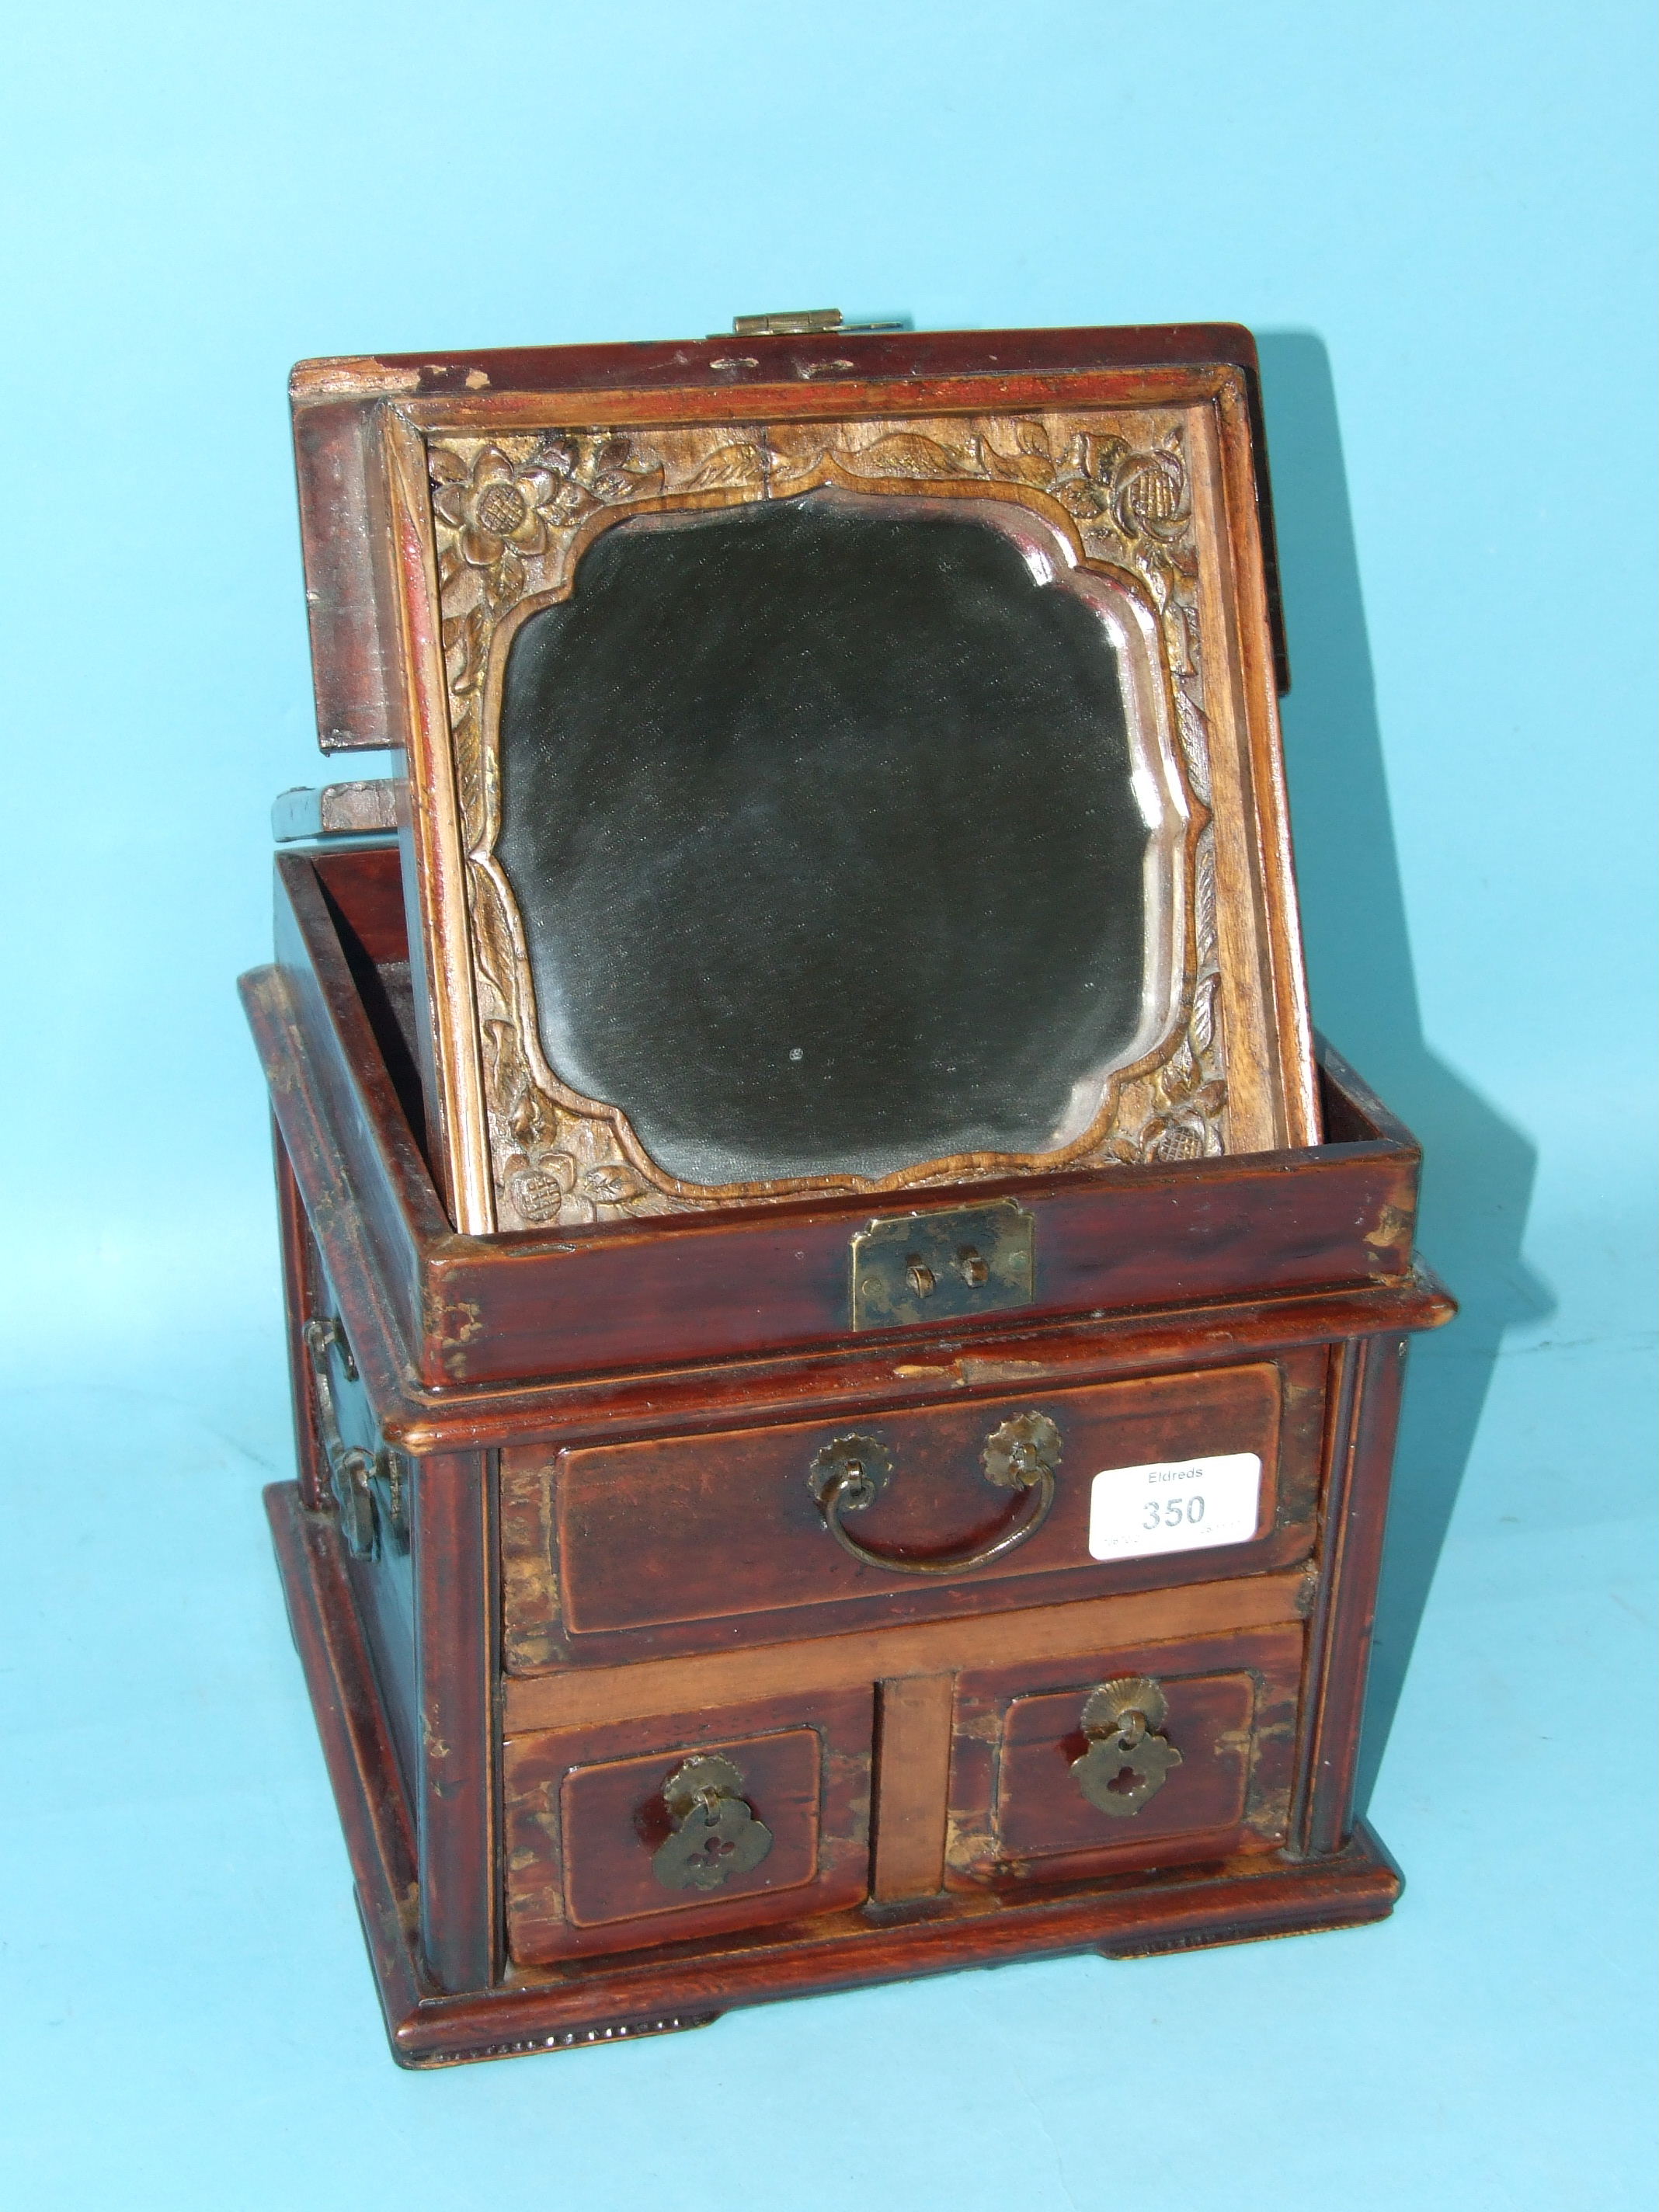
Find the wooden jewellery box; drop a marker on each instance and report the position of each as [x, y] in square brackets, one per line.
[779, 1541]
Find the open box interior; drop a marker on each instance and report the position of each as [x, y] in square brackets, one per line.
[362, 884]
[337, 1039]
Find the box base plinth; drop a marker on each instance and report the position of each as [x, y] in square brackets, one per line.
[679, 1987]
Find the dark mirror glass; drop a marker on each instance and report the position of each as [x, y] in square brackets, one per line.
[821, 821]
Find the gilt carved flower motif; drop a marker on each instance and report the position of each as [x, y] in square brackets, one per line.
[493, 504]
[512, 513]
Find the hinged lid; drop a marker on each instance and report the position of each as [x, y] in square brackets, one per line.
[837, 762]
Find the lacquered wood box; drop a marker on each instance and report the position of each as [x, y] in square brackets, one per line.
[672, 1643]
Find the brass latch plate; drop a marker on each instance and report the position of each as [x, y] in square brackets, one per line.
[943, 1266]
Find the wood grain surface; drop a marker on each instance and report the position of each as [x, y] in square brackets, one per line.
[619, 1553]
[972, 1639]
[584, 1815]
[1313, 1251]
[656, 1992]
[913, 1777]
[1017, 1813]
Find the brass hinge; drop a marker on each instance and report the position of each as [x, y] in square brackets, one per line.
[802, 322]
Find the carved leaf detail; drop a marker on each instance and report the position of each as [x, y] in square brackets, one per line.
[534, 1119]
[906, 453]
[1202, 1029]
[1023, 467]
[790, 470]
[1203, 899]
[1108, 454]
[495, 941]
[1195, 734]
[466, 637]
[611, 1185]
[731, 465]
[1157, 577]
[504, 584]
[1178, 637]
[1178, 1078]
[569, 502]
[1080, 499]
[617, 485]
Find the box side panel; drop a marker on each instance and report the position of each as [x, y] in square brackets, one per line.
[348, 592]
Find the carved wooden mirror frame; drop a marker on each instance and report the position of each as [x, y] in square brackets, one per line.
[1136, 486]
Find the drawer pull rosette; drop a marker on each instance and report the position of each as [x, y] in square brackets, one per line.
[1127, 1761]
[850, 1473]
[715, 1834]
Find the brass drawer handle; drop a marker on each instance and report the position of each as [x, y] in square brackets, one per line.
[358, 1478]
[1127, 1761]
[851, 1472]
[715, 1834]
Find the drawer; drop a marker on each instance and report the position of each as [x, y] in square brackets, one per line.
[1140, 1758]
[630, 1834]
[617, 1550]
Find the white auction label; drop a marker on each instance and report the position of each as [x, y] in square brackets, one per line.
[1173, 1505]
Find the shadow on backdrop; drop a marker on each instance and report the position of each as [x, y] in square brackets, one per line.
[1479, 1168]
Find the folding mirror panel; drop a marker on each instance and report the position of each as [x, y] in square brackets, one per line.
[817, 782]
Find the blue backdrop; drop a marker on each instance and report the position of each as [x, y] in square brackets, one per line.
[1437, 219]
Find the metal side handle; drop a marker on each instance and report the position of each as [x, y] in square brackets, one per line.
[354, 1472]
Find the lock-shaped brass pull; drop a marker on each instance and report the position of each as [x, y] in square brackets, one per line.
[849, 1474]
[1127, 1761]
[715, 1835]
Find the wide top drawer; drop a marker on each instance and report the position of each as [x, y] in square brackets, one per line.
[614, 1551]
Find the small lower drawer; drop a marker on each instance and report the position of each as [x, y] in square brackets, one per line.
[648, 1832]
[1157, 1756]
